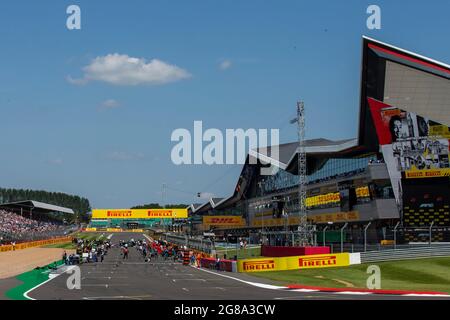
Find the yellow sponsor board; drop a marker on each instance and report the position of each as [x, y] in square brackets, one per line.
[321, 218]
[223, 220]
[294, 263]
[320, 261]
[261, 265]
[440, 131]
[139, 214]
[33, 244]
[433, 173]
[335, 217]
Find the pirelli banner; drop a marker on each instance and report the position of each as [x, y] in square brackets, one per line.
[139, 214]
[432, 173]
[294, 263]
[224, 221]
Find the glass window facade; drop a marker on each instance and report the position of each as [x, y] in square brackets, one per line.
[332, 169]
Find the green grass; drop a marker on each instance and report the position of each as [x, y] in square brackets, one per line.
[90, 236]
[421, 275]
[67, 245]
[241, 253]
[29, 280]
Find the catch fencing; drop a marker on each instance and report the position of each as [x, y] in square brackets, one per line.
[418, 252]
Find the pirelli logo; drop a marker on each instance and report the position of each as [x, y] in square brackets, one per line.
[322, 261]
[119, 214]
[159, 213]
[259, 265]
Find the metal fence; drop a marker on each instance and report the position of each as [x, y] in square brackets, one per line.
[197, 243]
[336, 248]
[419, 252]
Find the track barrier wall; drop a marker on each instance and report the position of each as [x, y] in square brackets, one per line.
[112, 230]
[274, 251]
[33, 244]
[296, 262]
[224, 265]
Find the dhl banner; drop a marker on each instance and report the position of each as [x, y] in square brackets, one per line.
[33, 244]
[294, 263]
[139, 213]
[432, 173]
[223, 221]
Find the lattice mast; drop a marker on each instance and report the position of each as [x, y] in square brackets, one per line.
[304, 229]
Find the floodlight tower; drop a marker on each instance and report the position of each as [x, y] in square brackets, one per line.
[304, 229]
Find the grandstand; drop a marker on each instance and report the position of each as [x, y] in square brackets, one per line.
[30, 220]
[390, 184]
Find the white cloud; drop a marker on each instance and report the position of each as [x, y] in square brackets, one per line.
[124, 156]
[124, 70]
[109, 104]
[225, 64]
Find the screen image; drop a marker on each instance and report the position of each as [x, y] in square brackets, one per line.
[411, 144]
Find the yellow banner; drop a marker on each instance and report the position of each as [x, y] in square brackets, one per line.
[335, 217]
[433, 173]
[223, 221]
[294, 263]
[139, 214]
[440, 131]
[321, 218]
[33, 244]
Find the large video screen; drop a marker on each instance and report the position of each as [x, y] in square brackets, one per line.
[425, 201]
[412, 145]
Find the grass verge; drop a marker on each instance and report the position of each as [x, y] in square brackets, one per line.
[241, 253]
[29, 280]
[420, 275]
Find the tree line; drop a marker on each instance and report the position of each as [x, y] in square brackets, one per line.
[158, 206]
[79, 205]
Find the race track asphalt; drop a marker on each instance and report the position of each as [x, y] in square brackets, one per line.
[134, 279]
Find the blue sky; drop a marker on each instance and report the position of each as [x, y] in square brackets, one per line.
[111, 143]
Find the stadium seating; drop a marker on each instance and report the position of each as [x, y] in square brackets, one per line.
[14, 227]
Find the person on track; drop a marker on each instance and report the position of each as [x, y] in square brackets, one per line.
[199, 258]
[125, 252]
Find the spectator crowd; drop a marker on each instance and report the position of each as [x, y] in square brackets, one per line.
[17, 227]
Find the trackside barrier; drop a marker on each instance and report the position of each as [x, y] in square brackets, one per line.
[296, 263]
[355, 258]
[200, 244]
[224, 265]
[275, 251]
[405, 254]
[33, 244]
[112, 230]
